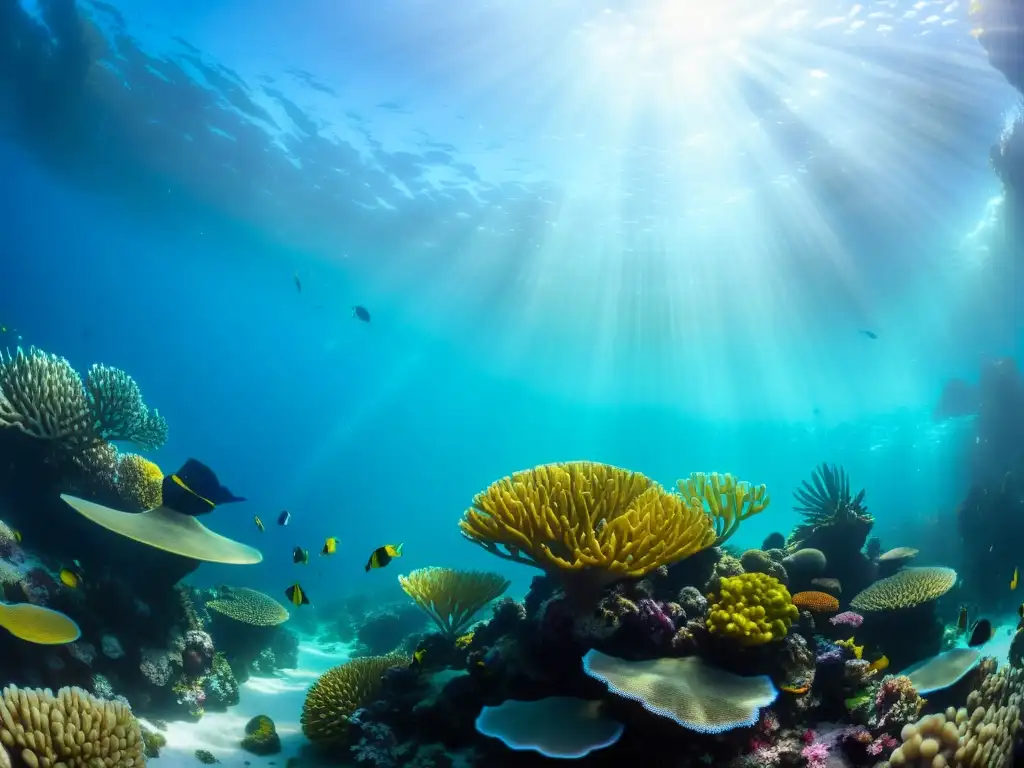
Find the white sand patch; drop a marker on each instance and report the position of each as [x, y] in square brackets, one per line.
[279, 697]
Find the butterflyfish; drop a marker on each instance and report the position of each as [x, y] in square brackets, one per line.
[383, 555]
[300, 555]
[330, 546]
[296, 595]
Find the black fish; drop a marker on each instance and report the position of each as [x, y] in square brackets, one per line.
[381, 556]
[284, 518]
[195, 490]
[361, 313]
[300, 555]
[870, 334]
[296, 595]
[298, 283]
[981, 633]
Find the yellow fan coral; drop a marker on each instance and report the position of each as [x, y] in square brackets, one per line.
[70, 728]
[139, 481]
[906, 589]
[339, 692]
[752, 608]
[250, 607]
[451, 598]
[587, 523]
[728, 502]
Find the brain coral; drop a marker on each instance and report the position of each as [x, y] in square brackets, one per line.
[752, 608]
[71, 729]
[819, 602]
[906, 589]
[250, 607]
[341, 691]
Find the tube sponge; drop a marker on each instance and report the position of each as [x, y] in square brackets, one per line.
[558, 726]
[752, 608]
[70, 728]
[586, 521]
[451, 598]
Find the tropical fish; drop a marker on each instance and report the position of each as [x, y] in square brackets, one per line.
[417, 658]
[330, 546]
[1015, 579]
[70, 578]
[300, 555]
[16, 535]
[296, 595]
[361, 313]
[879, 665]
[298, 282]
[961, 622]
[383, 555]
[284, 518]
[870, 334]
[796, 690]
[195, 490]
[981, 633]
[259, 523]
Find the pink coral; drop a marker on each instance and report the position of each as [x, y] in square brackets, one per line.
[847, 619]
[815, 754]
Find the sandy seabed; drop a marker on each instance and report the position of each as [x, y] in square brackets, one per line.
[279, 697]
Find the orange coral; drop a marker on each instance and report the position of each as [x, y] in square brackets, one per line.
[821, 602]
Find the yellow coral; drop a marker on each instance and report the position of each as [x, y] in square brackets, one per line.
[752, 608]
[852, 647]
[587, 523]
[728, 502]
[452, 598]
[139, 481]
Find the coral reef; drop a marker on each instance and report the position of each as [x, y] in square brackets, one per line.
[261, 736]
[751, 609]
[452, 598]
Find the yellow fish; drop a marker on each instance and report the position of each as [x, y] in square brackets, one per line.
[259, 523]
[1013, 581]
[330, 546]
[69, 578]
[796, 690]
[417, 658]
[381, 556]
[880, 664]
[296, 596]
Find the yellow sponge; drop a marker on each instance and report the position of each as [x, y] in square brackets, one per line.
[752, 609]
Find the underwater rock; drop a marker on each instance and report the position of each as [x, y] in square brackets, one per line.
[387, 628]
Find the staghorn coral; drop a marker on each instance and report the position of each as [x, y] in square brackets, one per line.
[249, 606]
[452, 598]
[816, 602]
[585, 523]
[119, 412]
[728, 502]
[752, 609]
[71, 728]
[339, 692]
[906, 589]
[139, 481]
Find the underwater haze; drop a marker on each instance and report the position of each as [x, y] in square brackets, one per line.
[745, 237]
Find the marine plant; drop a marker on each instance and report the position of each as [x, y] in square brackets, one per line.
[586, 524]
[727, 501]
[339, 692]
[751, 609]
[452, 598]
[70, 728]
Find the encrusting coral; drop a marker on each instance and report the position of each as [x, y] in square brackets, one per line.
[250, 606]
[71, 728]
[728, 502]
[339, 692]
[44, 397]
[908, 588]
[451, 598]
[587, 524]
[752, 609]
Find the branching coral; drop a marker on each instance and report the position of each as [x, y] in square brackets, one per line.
[728, 502]
[826, 502]
[70, 728]
[588, 524]
[339, 692]
[752, 609]
[44, 397]
[451, 598]
[250, 607]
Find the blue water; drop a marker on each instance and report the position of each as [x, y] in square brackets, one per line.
[564, 257]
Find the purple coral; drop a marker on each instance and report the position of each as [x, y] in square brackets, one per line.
[847, 619]
[829, 653]
[816, 754]
[655, 620]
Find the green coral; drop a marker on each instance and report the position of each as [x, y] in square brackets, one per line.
[152, 741]
[752, 609]
[261, 736]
